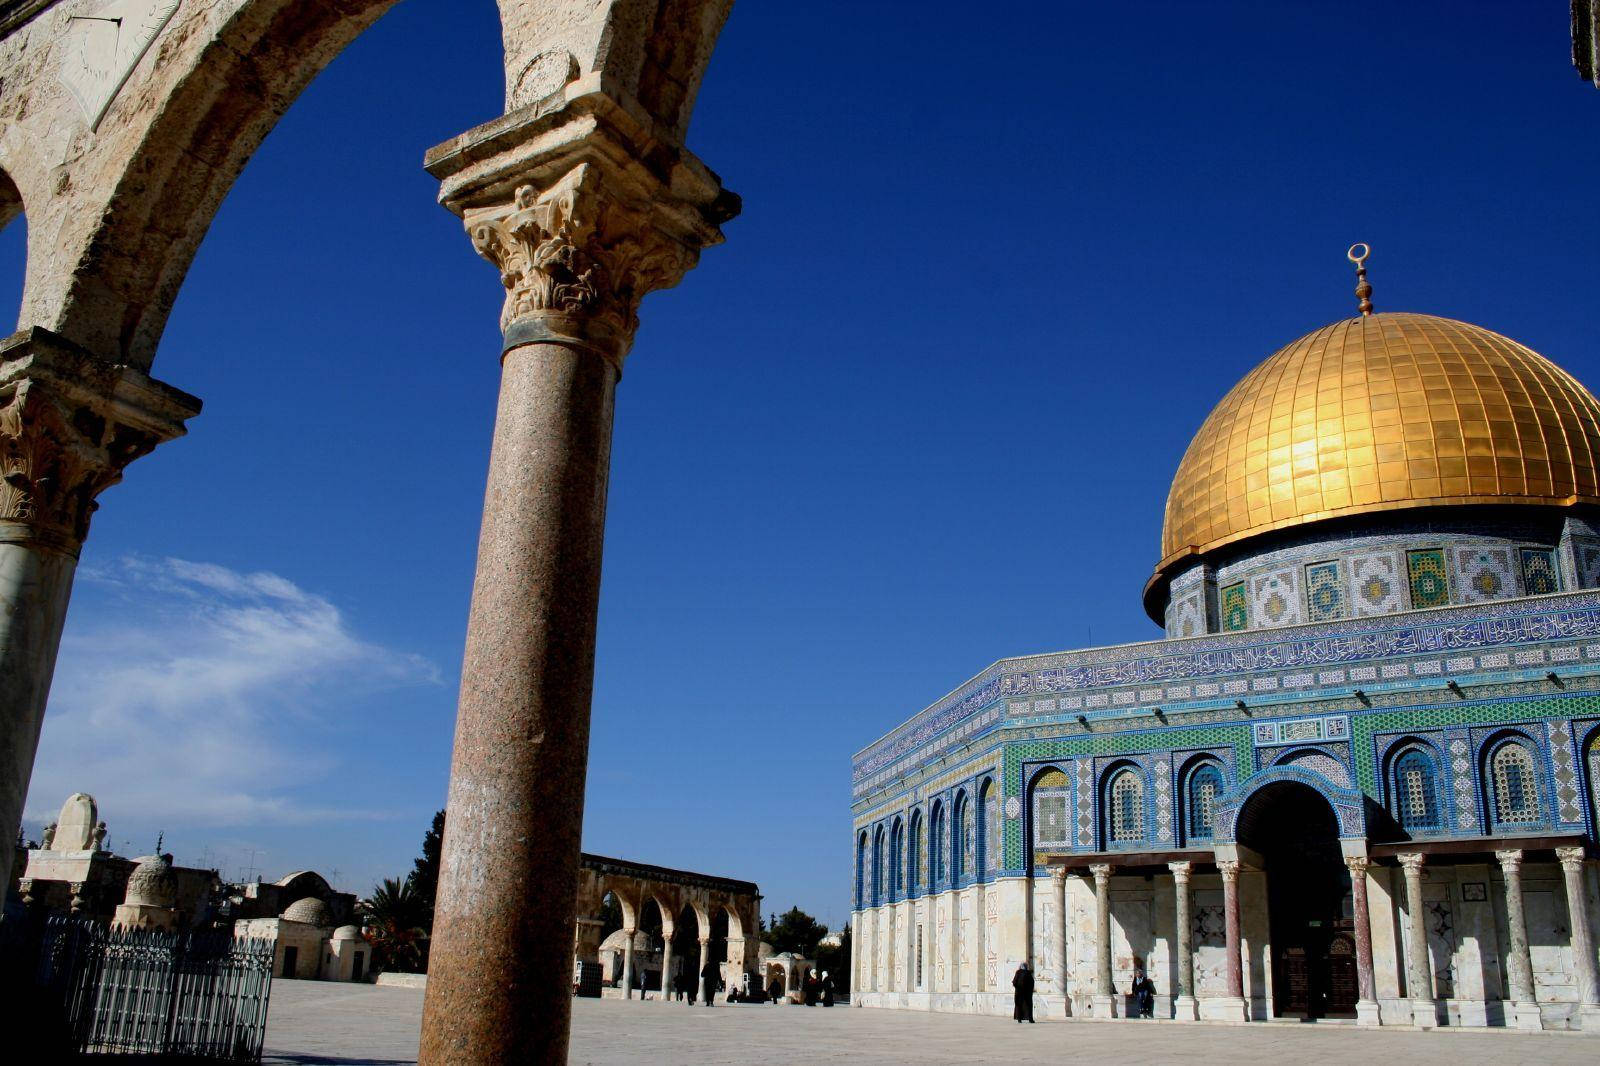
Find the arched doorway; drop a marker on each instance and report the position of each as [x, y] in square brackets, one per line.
[1310, 914]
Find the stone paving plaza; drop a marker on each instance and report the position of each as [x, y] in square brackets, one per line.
[321, 1022]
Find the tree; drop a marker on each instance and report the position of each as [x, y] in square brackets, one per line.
[424, 879]
[393, 918]
[794, 931]
[836, 961]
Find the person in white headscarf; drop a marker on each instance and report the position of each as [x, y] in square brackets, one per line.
[827, 989]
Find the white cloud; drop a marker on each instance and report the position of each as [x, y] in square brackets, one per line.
[191, 693]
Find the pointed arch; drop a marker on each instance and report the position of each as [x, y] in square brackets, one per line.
[1122, 800]
[1202, 784]
[1049, 808]
[916, 851]
[937, 874]
[1413, 786]
[897, 851]
[961, 841]
[1513, 789]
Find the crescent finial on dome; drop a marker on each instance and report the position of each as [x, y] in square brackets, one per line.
[1363, 286]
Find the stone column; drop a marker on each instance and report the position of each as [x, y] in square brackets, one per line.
[627, 962]
[1419, 961]
[1367, 1010]
[580, 230]
[699, 975]
[1104, 993]
[69, 425]
[1234, 1007]
[1185, 1008]
[1059, 875]
[1583, 947]
[1519, 964]
[666, 963]
[980, 946]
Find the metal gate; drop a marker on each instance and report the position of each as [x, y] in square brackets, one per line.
[201, 994]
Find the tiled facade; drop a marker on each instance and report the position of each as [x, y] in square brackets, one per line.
[1331, 706]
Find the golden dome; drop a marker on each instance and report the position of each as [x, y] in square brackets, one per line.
[1383, 412]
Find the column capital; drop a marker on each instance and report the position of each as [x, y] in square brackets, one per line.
[1510, 860]
[703, 941]
[69, 424]
[1180, 871]
[1229, 868]
[1102, 872]
[1571, 859]
[1358, 865]
[1058, 874]
[1412, 862]
[583, 211]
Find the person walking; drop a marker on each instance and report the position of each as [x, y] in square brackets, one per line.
[708, 984]
[775, 990]
[813, 988]
[827, 989]
[1022, 994]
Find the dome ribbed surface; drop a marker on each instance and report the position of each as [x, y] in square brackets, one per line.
[1383, 412]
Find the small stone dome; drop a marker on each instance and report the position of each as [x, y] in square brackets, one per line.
[308, 911]
[152, 883]
[347, 932]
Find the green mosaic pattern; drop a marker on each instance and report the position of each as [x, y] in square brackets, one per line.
[1430, 587]
[1539, 572]
[1235, 608]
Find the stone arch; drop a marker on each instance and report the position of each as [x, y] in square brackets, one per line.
[897, 859]
[1319, 761]
[876, 886]
[1589, 764]
[861, 869]
[231, 70]
[611, 886]
[937, 839]
[1348, 805]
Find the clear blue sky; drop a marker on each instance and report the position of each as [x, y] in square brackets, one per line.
[919, 413]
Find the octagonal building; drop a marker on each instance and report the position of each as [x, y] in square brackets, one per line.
[1358, 779]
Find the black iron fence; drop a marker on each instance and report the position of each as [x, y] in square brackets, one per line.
[200, 995]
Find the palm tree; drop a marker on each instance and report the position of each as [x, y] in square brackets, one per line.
[394, 919]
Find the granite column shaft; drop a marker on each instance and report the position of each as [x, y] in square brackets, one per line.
[1419, 968]
[1185, 1008]
[1104, 992]
[1367, 1010]
[1519, 961]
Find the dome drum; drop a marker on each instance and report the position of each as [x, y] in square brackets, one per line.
[1400, 427]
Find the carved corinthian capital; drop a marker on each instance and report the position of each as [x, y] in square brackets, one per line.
[576, 260]
[69, 424]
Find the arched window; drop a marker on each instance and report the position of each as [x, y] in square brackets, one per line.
[1051, 797]
[1125, 815]
[1514, 785]
[963, 838]
[936, 851]
[877, 867]
[1594, 778]
[897, 844]
[1205, 785]
[1416, 795]
[861, 870]
[914, 858]
[988, 831]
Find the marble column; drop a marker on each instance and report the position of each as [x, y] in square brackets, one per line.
[1583, 945]
[1103, 1003]
[1059, 877]
[666, 962]
[1233, 1005]
[980, 930]
[1519, 964]
[1367, 1010]
[709, 995]
[69, 424]
[627, 961]
[1419, 961]
[1186, 1008]
[579, 231]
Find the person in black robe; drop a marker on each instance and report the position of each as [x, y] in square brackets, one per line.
[827, 989]
[1022, 994]
[813, 988]
[1144, 994]
[708, 984]
[775, 990]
